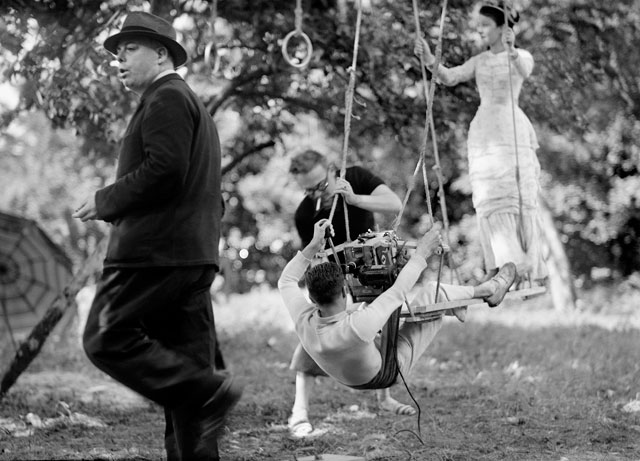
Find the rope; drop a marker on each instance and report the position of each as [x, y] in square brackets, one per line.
[214, 16]
[212, 48]
[429, 93]
[349, 94]
[523, 242]
[298, 13]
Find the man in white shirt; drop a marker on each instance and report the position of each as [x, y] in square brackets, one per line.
[340, 336]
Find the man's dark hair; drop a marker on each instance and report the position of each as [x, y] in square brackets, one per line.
[305, 161]
[324, 282]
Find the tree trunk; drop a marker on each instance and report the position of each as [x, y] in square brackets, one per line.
[30, 348]
[563, 294]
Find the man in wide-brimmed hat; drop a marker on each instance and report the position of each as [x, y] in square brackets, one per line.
[151, 324]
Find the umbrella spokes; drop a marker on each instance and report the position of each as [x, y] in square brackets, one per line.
[33, 272]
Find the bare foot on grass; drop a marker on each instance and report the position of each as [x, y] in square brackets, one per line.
[392, 405]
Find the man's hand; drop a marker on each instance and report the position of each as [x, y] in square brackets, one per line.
[87, 210]
[429, 242]
[343, 187]
[317, 241]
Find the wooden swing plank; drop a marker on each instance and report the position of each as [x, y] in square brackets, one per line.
[418, 311]
[441, 306]
[525, 293]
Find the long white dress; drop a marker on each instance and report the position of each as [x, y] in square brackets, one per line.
[492, 162]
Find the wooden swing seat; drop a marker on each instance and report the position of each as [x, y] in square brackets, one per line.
[418, 313]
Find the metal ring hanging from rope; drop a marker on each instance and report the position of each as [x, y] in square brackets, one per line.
[297, 32]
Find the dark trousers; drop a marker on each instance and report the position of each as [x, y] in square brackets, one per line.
[153, 330]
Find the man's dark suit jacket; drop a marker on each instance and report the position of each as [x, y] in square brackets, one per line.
[165, 206]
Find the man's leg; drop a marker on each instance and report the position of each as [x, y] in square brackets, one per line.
[219, 363]
[298, 422]
[415, 337]
[306, 371]
[170, 442]
[134, 334]
[193, 328]
[388, 403]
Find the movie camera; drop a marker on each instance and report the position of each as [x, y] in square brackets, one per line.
[371, 263]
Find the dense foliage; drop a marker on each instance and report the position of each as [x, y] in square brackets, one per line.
[584, 100]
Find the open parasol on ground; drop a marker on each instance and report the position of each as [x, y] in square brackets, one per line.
[33, 272]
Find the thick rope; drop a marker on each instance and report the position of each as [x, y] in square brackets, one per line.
[521, 236]
[429, 125]
[211, 50]
[347, 119]
[298, 13]
[214, 15]
[429, 93]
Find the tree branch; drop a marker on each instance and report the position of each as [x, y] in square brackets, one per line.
[255, 149]
[231, 87]
[317, 105]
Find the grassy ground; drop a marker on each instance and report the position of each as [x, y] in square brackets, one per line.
[519, 382]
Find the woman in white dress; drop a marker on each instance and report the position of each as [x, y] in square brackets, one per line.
[506, 213]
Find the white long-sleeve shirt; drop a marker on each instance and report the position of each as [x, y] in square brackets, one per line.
[343, 344]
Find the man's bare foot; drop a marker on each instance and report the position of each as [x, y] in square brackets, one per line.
[392, 405]
[299, 425]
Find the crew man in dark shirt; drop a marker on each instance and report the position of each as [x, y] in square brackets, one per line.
[364, 194]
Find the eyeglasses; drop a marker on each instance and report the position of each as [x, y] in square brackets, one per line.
[320, 187]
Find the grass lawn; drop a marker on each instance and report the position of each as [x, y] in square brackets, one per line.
[519, 382]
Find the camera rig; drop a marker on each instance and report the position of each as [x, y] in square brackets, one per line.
[371, 263]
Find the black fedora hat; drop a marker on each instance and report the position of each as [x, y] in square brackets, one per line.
[141, 24]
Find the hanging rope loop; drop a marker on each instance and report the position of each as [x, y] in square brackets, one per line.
[211, 55]
[306, 41]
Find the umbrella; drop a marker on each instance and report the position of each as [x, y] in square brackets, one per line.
[33, 272]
